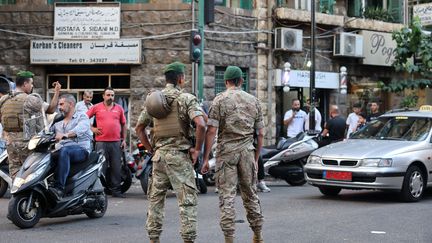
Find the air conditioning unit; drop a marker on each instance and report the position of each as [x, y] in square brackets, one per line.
[347, 44]
[288, 39]
[302, 4]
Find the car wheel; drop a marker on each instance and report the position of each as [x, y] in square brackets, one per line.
[329, 190]
[413, 185]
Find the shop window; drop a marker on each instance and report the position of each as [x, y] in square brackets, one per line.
[120, 82]
[220, 82]
[383, 10]
[87, 82]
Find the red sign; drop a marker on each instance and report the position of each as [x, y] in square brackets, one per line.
[338, 175]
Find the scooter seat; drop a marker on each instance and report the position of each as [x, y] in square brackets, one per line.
[268, 152]
[75, 168]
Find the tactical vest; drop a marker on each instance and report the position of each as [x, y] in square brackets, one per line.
[12, 113]
[170, 125]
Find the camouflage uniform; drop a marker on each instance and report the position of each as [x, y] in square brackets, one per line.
[16, 142]
[237, 115]
[172, 165]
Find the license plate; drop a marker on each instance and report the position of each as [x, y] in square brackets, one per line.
[337, 175]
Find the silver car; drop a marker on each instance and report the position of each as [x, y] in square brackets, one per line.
[393, 152]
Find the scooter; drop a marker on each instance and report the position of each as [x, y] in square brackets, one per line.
[125, 175]
[145, 167]
[31, 198]
[5, 180]
[286, 161]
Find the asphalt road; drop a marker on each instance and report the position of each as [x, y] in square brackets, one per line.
[292, 214]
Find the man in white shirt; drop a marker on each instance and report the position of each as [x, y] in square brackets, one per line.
[85, 104]
[294, 119]
[353, 119]
[318, 119]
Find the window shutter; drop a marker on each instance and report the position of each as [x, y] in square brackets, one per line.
[246, 4]
[355, 8]
[326, 6]
[395, 8]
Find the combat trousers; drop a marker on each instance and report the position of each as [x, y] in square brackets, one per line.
[17, 153]
[232, 169]
[172, 168]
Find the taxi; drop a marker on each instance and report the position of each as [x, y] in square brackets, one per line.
[393, 152]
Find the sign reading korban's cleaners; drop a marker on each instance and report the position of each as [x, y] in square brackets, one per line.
[87, 21]
[84, 52]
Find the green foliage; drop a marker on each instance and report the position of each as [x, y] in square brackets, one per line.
[413, 44]
[378, 13]
[400, 85]
[409, 101]
[413, 55]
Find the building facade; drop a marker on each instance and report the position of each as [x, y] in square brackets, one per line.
[125, 44]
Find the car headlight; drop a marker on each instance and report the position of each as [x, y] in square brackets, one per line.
[313, 159]
[378, 162]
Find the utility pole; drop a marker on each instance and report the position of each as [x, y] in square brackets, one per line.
[312, 71]
[201, 60]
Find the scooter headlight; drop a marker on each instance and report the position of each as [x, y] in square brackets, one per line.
[313, 159]
[19, 182]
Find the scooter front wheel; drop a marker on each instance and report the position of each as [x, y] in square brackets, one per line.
[3, 187]
[21, 213]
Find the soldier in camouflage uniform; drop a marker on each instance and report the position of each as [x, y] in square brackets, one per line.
[174, 156]
[234, 116]
[17, 111]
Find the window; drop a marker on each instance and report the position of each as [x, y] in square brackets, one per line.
[244, 4]
[220, 82]
[4, 2]
[86, 1]
[383, 10]
[326, 6]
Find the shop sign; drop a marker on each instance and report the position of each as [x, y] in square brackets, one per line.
[100, 21]
[424, 12]
[379, 48]
[300, 78]
[85, 52]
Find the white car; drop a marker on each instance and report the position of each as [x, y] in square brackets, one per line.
[393, 152]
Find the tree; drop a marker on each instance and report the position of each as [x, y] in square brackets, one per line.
[414, 56]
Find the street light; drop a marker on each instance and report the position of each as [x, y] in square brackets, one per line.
[285, 77]
[343, 80]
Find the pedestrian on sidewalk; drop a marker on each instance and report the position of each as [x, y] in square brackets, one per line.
[110, 132]
[234, 116]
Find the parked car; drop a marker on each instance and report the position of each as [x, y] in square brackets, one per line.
[393, 152]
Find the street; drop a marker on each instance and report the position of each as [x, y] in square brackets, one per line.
[292, 214]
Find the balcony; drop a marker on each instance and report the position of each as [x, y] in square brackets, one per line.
[305, 16]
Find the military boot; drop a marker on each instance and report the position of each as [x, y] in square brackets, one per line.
[155, 240]
[257, 238]
[229, 239]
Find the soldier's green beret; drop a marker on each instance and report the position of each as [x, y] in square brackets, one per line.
[175, 66]
[232, 72]
[25, 74]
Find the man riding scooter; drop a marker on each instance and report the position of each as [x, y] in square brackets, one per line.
[74, 138]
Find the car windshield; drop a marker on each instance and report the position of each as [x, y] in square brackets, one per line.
[396, 128]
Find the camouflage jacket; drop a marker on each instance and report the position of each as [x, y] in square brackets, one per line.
[237, 115]
[188, 109]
